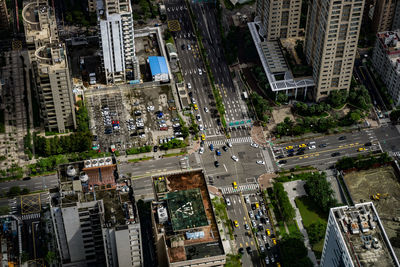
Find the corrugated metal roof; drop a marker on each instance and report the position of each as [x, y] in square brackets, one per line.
[158, 65]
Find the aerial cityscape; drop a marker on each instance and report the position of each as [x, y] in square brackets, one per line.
[179, 133]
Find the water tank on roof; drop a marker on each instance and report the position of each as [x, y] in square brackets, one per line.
[101, 162]
[83, 177]
[71, 171]
[88, 164]
[108, 161]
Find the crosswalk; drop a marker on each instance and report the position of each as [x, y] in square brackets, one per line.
[396, 154]
[31, 216]
[241, 188]
[237, 140]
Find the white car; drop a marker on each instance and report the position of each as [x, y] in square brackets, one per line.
[200, 72]
[228, 202]
[198, 118]
[247, 199]
[235, 158]
[189, 47]
[260, 162]
[205, 109]
[229, 144]
[150, 108]
[254, 145]
[201, 127]
[312, 147]
[193, 100]
[189, 86]
[201, 150]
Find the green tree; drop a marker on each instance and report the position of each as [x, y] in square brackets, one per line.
[294, 252]
[282, 98]
[286, 208]
[395, 115]
[14, 191]
[337, 98]
[82, 117]
[320, 191]
[50, 257]
[316, 232]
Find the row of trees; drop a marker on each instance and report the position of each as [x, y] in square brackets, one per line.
[362, 162]
[138, 150]
[311, 110]
[75, 142]
[287, 210]
[359, 98]
[174, 143]
[261, 106]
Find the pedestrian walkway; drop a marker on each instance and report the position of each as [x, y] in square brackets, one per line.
[238, 140]
[241, 188]
[30, 216]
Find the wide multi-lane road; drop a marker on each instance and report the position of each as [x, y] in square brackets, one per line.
[328, 149]
[193, 68]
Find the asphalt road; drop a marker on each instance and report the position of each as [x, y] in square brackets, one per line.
[322, 157]
[193, 68]
[34, 184]
[208, 27]
[389, 138]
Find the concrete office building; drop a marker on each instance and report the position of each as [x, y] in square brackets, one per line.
[386, 62]
[50, 68]
[4, 22]
[331, 43]
[117, 41]
[355, 237]
[384, 13]
[123, 245]
[278, 18]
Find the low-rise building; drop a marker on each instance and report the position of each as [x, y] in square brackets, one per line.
[355, 237]
[386, 62]
[159, 69]
[184, 224]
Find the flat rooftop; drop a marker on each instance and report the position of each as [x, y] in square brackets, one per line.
[186, 209]
[274, 56]
[189, 225]
[364, 235]
[383, 180]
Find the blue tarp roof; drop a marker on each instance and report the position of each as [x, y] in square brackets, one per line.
[158, 65]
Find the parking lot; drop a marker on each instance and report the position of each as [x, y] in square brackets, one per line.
[134, 118]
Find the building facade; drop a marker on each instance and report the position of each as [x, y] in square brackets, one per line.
[396, 17]
[4, 23]
[355, 237]
[278, 19]
[386, 61]
[332, 33]
[384, 14]
[117, 40]
[50, 67]
[79, 233]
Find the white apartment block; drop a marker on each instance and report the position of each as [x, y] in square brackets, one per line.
[355, 237]
[332, 33]
[117, 40]
[386, 62]
[278, 19]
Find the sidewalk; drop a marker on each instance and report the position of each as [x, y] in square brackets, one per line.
[292, 194]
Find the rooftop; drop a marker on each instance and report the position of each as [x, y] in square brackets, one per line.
[189, 225]
[390, 42]
[364, 235]
[39, 20]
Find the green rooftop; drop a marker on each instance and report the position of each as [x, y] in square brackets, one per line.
[186, 209]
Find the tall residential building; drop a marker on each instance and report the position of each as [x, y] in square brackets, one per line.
[278, 18]
[117, 40]
[384, 13]
[331, 43]
[386, 62]
[4, 23]
[50, 68]
[355, 237]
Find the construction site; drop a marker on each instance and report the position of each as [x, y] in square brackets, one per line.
[381, 186]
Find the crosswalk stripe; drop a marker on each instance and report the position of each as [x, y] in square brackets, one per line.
[241, 188]
[237, 140]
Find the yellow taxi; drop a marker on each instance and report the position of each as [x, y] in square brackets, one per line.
[278, 264]
[195, 107]
[302, 146]
[236, 223]
[361, 149]
[268, 231]
[203, 137]
[234, 185]
[289, 147]
[257, 205]
[274, 241]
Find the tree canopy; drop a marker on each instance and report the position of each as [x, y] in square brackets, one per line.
[320, 191]
[294, 252]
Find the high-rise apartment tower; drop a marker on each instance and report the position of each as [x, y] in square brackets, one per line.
[278, 19]
[384, 14]
[332, 32]
[50, 68]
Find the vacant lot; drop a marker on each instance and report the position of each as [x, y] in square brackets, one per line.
[381, 180]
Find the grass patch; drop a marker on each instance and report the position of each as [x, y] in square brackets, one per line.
[140, 159]
[179, 77]
[174, 154]
[310, 214]
[292, 227]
